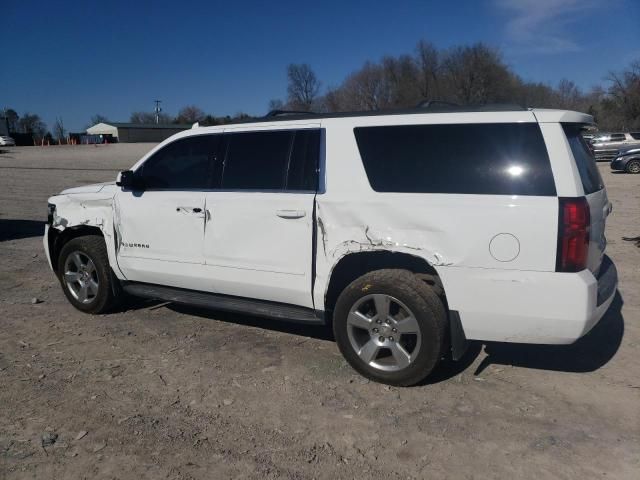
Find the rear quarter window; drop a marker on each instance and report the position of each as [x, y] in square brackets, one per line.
[585, 161]
[490, 159]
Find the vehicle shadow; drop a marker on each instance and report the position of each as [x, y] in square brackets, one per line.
[448, 368]
[11, 229]
[319, 332]
[589, 353]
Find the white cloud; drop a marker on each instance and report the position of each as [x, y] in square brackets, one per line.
[541, 26]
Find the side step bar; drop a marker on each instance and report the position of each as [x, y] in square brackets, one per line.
[214, 301]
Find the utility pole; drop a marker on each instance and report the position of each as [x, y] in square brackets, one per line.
[158, 109]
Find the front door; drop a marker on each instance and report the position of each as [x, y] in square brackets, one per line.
[258, 242]
[161, 226]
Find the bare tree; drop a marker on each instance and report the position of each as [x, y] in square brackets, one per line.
[97, 118]
[276, 104]
[568, 94]
[190, 114]
[366, 89]
[623, 97]
[333, 100]
[402, 78]
[533, 94]
[428, 62]
[59, 130]
[478, 75]
[303, 86]
[32, 124]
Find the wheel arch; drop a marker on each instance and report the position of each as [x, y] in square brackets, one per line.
[58, 239]
[356, 264]
[629, 161]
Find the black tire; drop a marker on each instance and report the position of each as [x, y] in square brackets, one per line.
[633, 167]
[424, 304]
[93, 248]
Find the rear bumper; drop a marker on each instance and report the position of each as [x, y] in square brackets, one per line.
[529, 307]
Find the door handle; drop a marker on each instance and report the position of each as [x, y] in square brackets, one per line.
[290, 213]
[195, 211]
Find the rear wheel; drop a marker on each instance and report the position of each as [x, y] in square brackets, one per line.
[390, 326]
[85, 274]
[633, 166]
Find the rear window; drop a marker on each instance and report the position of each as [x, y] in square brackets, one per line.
[586, 163]
[490, 159]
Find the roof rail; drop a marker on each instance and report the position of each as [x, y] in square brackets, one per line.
[437, 107]
[282, 113]
[442, 106]
[430, 104]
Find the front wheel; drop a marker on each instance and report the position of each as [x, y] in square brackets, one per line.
[85, 274]
[391, 327]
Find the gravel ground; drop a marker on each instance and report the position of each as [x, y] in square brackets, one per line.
[161, 391]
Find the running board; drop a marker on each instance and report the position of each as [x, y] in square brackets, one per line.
[214, 301]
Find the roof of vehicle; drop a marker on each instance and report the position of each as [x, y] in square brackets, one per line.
[547, 115]
[542, 115]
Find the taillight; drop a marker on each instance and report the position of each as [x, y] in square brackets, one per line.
[573, 235]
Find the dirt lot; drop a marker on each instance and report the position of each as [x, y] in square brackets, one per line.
[160, 391]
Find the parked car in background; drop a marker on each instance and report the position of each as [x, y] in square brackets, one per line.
[606, 146]
[6, 141]
[627, 160]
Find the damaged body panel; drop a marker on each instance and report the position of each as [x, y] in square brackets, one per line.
[451, 233]
[87, 206]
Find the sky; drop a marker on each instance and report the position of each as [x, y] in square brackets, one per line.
[73, 59]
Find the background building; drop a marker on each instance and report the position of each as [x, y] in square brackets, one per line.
[136, 132]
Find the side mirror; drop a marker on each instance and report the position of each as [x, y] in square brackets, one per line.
[128, 180]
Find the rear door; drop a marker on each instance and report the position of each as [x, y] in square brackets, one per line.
[595, 194]
[258, 241]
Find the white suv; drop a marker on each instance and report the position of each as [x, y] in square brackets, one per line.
[410, 232]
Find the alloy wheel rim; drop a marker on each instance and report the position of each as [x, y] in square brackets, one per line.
[383, 332]
[81, 277]
[634, 167]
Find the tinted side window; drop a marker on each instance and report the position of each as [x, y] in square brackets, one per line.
[257, 160]
[186, 163]
[494, 159]
[586, 163]
[635, 135]
[617, 137]
[304, 162]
